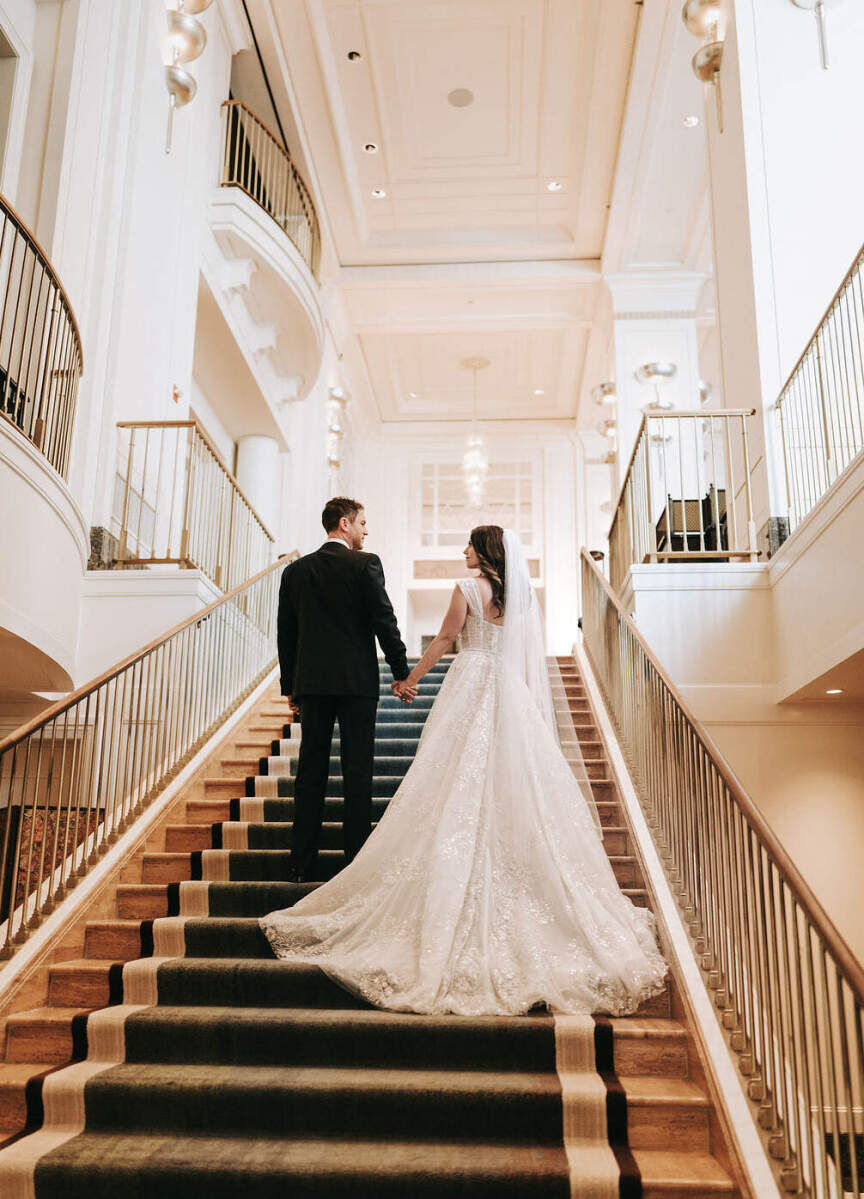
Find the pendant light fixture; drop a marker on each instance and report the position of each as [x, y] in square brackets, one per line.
[475, 464]
[185, 41]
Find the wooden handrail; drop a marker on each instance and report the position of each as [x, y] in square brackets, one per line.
[74, 697]
[820, 919]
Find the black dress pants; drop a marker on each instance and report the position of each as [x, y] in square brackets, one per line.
[356, 716]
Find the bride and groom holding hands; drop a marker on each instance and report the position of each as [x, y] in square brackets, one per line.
[485, 887]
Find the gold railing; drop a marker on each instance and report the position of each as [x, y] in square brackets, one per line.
[821, 407]
[175, 502]
[788, 990]
[40, 346]
[75, 777]
[686, 494]
[257, 162]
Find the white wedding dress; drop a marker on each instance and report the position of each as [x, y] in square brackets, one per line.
[485, 887]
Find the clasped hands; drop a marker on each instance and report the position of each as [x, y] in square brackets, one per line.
[404, 690]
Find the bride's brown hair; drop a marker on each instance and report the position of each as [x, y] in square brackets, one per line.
[488, 543]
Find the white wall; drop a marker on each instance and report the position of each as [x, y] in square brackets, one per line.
[726, 637]
[44, 544]
[786, 188]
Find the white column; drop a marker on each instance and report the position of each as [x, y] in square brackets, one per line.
[654, 320]
[259, 473]
[786, 186]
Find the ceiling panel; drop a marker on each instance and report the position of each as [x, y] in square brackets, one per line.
[475, 107]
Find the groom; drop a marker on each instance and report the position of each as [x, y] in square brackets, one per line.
[332, 606]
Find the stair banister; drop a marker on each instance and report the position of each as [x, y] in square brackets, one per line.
[75, 776]
[789, 990]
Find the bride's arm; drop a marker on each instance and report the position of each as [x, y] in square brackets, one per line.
[450, 628]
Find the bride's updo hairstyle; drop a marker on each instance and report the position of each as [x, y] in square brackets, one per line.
[488, 543]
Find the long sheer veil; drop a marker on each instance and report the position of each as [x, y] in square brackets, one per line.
[524, 660]
[523, 644]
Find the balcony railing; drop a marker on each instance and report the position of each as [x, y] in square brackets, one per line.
[821, 408]
[258, 163]
[686, 495]
[40, 346]
[74, 778]
[787, 988]
[175, 502]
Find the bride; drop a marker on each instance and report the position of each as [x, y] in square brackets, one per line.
[485, 887]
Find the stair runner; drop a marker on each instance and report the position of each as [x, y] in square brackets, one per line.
[219, 1071]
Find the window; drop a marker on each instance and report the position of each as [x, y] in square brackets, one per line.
[445, 517]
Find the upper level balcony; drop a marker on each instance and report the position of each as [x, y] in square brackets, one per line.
[255, 161]
[43, 535]
[40, 346]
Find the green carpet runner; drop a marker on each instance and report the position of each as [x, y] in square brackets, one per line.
[224, 1073]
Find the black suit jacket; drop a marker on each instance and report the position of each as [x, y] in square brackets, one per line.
[332, 606]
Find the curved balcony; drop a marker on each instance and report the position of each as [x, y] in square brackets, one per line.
[258, 164]
[40, 346]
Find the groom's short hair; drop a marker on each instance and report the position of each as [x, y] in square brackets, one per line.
[336, 508]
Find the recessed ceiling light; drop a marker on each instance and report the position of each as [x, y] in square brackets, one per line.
[379, 193]
[538, 391]
[354, 56]
[834, 691]
[412, 395]
[554, 186]
[691, 121]
[371, 148]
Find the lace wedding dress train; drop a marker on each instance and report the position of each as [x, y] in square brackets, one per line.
[485, 887]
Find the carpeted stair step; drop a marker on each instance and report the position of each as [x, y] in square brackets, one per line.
[259, 898]
[361, 1039]
[390, 764]
[273, 834]
[267, 982]
[273, 864]
[165, 867]
[282, 809]
[97, 1166]
[404, 714]
[234, 899]
[238, 768]
[384, 786]
[435, 1104]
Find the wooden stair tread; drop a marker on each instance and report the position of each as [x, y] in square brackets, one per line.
[647, 1027]
[659, 1090]
[45, 1015]
[683, 1167]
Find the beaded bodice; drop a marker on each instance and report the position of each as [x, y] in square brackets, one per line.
[477, 632]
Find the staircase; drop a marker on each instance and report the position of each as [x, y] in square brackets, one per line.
[214, 1069]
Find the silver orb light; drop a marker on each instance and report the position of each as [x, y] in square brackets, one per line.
[702, 17]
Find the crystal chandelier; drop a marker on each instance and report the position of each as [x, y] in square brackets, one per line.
[475, 464]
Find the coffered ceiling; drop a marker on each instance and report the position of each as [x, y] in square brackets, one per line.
[475, 107]
[491, 131]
